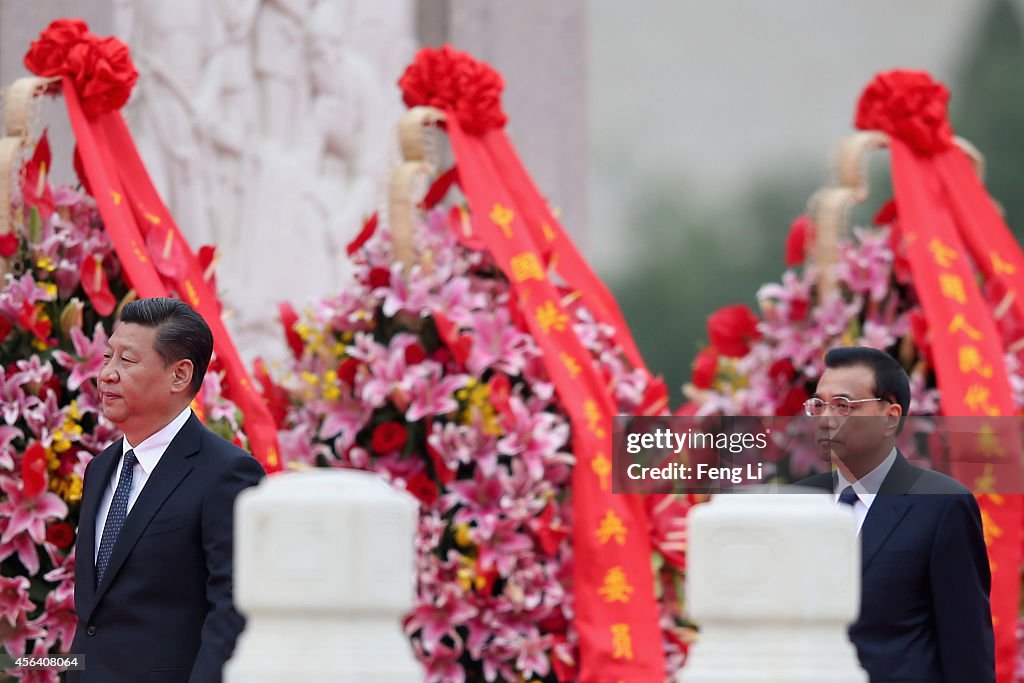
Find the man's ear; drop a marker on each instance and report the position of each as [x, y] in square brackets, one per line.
[893, 413]
[181, 379]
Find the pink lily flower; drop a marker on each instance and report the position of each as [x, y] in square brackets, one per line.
[87, 361]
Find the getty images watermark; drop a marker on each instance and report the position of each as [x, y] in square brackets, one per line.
[723, 454]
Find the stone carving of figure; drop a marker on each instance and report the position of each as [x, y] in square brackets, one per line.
[280, 61]
[228, 105]
[172, 37]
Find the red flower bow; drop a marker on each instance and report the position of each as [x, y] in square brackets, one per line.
[100, 68]
[910, 106]
[453, 81]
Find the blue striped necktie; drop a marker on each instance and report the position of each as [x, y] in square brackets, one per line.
[116, 515]
[848, 496]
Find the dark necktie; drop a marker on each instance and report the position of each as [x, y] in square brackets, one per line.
[116, 515]
[848, 497]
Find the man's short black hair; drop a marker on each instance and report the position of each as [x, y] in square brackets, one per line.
[891, 380]
[180, 333]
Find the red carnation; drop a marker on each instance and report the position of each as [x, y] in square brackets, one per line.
[732, 328]
[388, 437]
[455, 82]
[705, 368]
[910, 106]
[801, 236]
[60, 534]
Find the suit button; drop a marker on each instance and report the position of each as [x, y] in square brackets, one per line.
[91, 630]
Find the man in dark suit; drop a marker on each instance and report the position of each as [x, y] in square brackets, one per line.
[925, 613]
[153, 571]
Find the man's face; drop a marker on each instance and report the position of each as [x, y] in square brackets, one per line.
[135, 385]
[869, 424]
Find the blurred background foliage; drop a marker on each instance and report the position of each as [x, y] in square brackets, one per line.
[698, 255]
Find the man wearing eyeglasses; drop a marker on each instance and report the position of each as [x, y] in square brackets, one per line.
[925, 613]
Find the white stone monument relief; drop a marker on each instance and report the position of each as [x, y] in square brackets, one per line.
[267, 126]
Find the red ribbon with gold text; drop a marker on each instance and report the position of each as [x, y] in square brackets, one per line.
[947, 220]
[616, 611]
[96, 77]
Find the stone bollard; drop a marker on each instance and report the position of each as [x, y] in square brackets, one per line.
[324, 572]
[773, 582]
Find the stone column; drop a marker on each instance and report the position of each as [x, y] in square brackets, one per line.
[324, 572]
[773, 582]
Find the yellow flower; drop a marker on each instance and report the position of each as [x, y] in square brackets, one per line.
[38, 344]
[74, 492]
[51, 289]
[46, 263]
[310, 377]
[462, 536]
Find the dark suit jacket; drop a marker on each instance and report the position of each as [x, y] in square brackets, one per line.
[164, 610]
[925, 612]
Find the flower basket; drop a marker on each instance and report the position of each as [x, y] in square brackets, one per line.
[426, 371]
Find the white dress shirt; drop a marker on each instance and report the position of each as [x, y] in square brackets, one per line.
[866, 488]
[147, 454]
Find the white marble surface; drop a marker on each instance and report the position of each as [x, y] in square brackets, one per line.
[324, 572]
[773, 582]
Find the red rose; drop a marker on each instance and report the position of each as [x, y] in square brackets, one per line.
[378, 277]
[455, 82]
[388, 437]
[415, 354]
[801, 236]
[422, 487]
[732, 328]
[60, 534]
[47, 54]
[8, 244]
[910, 106]
[705, 368]
[347, 371]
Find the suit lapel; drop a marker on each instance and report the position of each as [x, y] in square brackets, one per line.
[888, 509]
[85, 543]
[173, 467]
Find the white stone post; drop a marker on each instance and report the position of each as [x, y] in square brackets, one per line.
[773, 582]
[324, 571]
